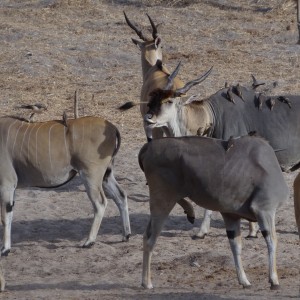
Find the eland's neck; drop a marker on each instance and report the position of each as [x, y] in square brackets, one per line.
[149, 59]
[191, 119]
[146, 66]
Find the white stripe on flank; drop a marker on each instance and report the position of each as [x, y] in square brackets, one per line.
[36, 144]
[22, 123]
[82, 137]
[9, 131]
[66, 146]
[24, 138]
[49, 137]
[28, 142]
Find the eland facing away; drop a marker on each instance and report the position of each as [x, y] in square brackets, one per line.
[49, 154]
[240, 178]
[275, 118]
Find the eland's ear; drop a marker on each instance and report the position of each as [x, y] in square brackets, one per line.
[157, 42]
[191, 99]
[138, 43]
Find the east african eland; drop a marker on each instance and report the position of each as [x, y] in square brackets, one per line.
[276, 118]
[240, 180]
[49, 154]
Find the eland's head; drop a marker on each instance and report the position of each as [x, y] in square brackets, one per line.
[162, 104]
[150, 47]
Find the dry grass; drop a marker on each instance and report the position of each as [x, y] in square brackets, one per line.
[50, 48]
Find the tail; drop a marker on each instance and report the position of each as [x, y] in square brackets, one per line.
[118, 142]
[116, 150]
[127, 105]
[297, 201]
[141, 154]
[130, 104]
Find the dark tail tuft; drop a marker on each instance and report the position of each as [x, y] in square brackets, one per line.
[127, 105]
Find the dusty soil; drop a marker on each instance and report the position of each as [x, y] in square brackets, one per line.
[50, 48]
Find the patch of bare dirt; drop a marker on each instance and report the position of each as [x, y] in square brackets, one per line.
[50, 48]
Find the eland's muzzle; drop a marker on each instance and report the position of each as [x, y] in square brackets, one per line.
[149, 118]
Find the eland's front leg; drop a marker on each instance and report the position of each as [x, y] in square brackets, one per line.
[113, 190]
[151, 234]
[160, 207]
[234, 236]
[7, 204]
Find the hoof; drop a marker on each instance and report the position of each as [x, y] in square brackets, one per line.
[5, 252]
[198, 237]
[249, 237]
[248, 286]
[126, 238]
[89, 245]
[275, 287]
[147, 286]
[191, 219]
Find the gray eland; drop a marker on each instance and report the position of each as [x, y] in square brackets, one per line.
[49, 154]
[243, 181]
[276, 118]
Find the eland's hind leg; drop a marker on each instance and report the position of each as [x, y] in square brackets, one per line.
[233, 231]
[266, 221]
[7, 203]
[93, 185]
[113, 190]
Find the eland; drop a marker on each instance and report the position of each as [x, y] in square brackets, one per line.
[49, 154]
[240, 180]
[276, 118]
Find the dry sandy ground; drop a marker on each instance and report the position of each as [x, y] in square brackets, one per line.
[50, 48]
